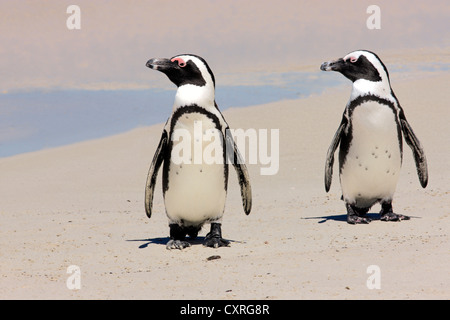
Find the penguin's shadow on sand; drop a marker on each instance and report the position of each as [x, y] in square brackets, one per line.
[164, 240]
[343, 217]
[147, 242]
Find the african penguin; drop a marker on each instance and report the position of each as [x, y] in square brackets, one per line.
[370, 138]
[194, 186]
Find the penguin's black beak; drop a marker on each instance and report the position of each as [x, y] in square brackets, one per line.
[160, 64]
[335, 65]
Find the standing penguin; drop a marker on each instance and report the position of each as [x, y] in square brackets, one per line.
[194, 185]
[370, 138]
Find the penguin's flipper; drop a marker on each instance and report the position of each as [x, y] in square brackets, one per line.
[330, 154]
[153, 173]
[416, 147]
[241, 169]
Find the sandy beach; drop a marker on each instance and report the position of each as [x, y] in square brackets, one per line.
[82, 205]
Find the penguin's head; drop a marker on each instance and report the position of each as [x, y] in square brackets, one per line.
[357, 65]
[368, 74]
[184, 69]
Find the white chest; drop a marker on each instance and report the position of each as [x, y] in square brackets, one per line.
[196, 187]
[372, 165]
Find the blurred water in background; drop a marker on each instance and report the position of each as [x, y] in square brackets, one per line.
[34, 120]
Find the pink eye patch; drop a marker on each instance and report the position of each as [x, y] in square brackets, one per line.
[180, 61]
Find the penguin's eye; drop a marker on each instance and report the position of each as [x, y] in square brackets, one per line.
[353, 59]
[181, 62]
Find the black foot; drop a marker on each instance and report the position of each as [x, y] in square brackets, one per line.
[177, 244]
[178, 235]
[356, 215]
[355, 219]
[214, 238]
[388, 215]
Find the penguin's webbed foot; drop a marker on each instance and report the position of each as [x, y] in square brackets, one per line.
[214, 238]
[357, 215]
[177, 244]
[355, 219]
[387, 214]
[390, 216]
[216, 242]
[177, 236]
